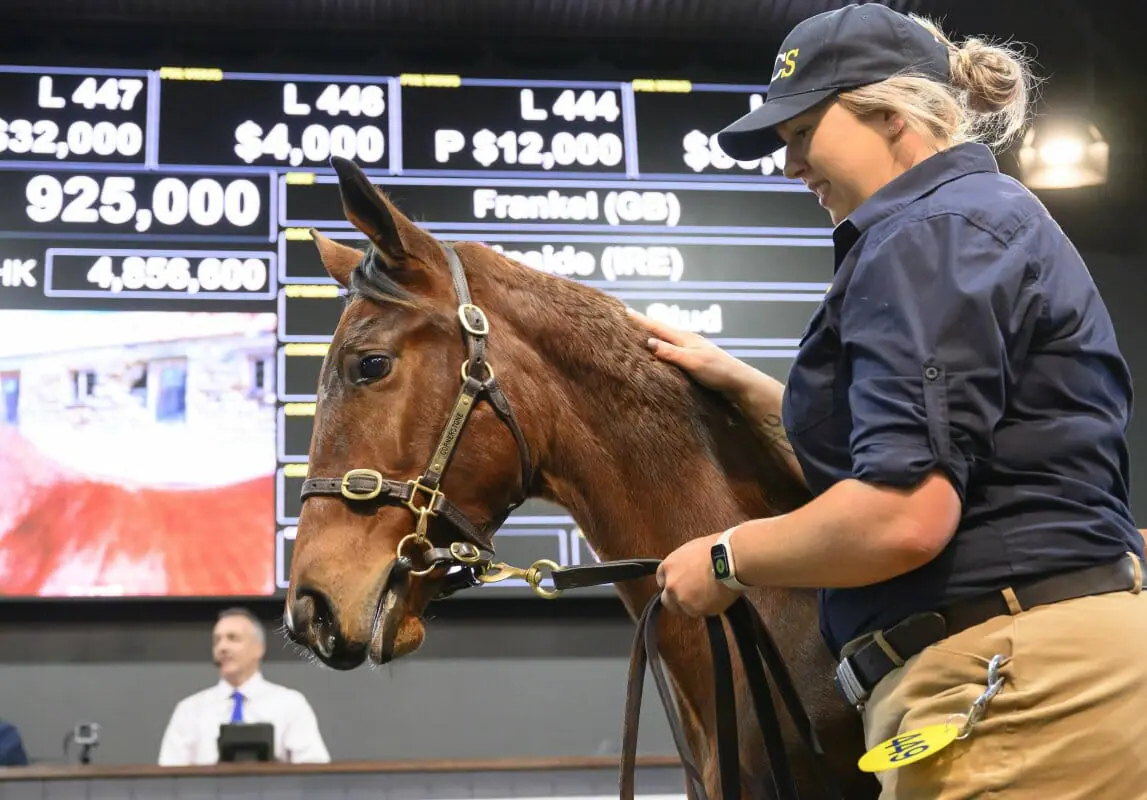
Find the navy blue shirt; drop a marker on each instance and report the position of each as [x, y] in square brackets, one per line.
[963, 333]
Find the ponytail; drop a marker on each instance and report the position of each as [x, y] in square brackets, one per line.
[986, 100]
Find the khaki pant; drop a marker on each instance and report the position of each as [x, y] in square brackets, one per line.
[1070, 721]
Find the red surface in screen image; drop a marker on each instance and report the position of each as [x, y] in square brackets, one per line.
[137, 453]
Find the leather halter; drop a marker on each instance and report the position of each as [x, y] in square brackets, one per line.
[474, 551]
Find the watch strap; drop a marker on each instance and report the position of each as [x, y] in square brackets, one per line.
[729, 580]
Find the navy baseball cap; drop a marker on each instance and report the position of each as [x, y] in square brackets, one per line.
[832, 52]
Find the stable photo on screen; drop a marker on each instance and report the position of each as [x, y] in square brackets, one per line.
[137, 453]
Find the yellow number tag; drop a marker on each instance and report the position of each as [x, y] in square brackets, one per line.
[908, 747]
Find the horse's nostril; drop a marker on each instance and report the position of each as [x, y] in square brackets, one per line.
[317, 624]
[315, 619]
[325, 628]
[300, 615]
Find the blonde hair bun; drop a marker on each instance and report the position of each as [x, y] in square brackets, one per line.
[986, 100]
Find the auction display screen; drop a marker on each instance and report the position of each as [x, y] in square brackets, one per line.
[164, 311]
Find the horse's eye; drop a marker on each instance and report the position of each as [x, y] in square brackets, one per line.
[373, 367]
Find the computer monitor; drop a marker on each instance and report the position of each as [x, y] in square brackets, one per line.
[247, 741]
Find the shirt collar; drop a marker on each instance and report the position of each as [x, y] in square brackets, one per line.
[249, 687]
[908, 187]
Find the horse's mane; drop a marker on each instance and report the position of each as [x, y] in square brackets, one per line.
[606, 356]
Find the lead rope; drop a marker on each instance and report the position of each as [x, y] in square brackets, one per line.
[758, 653]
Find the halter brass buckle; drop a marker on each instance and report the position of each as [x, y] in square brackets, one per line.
[351, 494]
[416, 486]
[483, 324]
[465, 552]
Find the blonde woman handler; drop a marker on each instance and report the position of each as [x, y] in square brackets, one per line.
[958, 407]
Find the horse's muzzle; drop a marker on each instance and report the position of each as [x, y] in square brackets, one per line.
[311, 621]
[371, 625]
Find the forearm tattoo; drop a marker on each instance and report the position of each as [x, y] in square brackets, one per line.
[772, 429]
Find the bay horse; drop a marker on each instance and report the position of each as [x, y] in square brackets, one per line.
[579, 413]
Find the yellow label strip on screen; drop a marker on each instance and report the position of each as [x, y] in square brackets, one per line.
[662, 85]
[430, 81]
[312, 290]
[306, 348]
[190, 74]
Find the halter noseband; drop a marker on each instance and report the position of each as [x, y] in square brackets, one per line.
[474, 552]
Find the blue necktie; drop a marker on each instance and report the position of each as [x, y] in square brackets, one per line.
[237, 712]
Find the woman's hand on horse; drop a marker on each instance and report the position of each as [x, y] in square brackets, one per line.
[707, 363]
[688, 585]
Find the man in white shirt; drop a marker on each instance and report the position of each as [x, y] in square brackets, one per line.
[242, 695]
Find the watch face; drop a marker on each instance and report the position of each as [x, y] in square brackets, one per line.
[720, 561]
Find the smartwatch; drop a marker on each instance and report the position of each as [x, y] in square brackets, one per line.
[724, 570]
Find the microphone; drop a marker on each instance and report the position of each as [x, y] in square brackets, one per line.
[87, 736]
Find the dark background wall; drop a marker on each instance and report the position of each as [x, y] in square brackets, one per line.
[495, 678]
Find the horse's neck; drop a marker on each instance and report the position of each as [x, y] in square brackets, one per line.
[628, 507]
[642, 459]
[640, 480]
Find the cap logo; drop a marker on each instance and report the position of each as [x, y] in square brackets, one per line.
[785, 63]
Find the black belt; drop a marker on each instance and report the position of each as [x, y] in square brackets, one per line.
[860, 670]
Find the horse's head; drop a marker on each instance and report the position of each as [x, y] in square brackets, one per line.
[392, 501]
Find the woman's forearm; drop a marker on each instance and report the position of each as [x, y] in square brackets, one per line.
[758, 396]
[855, 534]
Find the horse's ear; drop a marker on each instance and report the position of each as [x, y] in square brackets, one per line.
[338, 260]
[366, 209]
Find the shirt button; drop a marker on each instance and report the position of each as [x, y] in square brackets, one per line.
[931, 373]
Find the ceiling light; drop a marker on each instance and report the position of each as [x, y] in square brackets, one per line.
[1063, 154]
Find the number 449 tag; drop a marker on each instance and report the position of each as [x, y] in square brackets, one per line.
[908, 747]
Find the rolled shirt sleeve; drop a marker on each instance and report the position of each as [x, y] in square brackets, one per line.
[927, 329]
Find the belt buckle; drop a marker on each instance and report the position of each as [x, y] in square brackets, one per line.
[849, 685]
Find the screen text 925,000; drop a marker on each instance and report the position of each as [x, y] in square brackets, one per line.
[65, 202]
